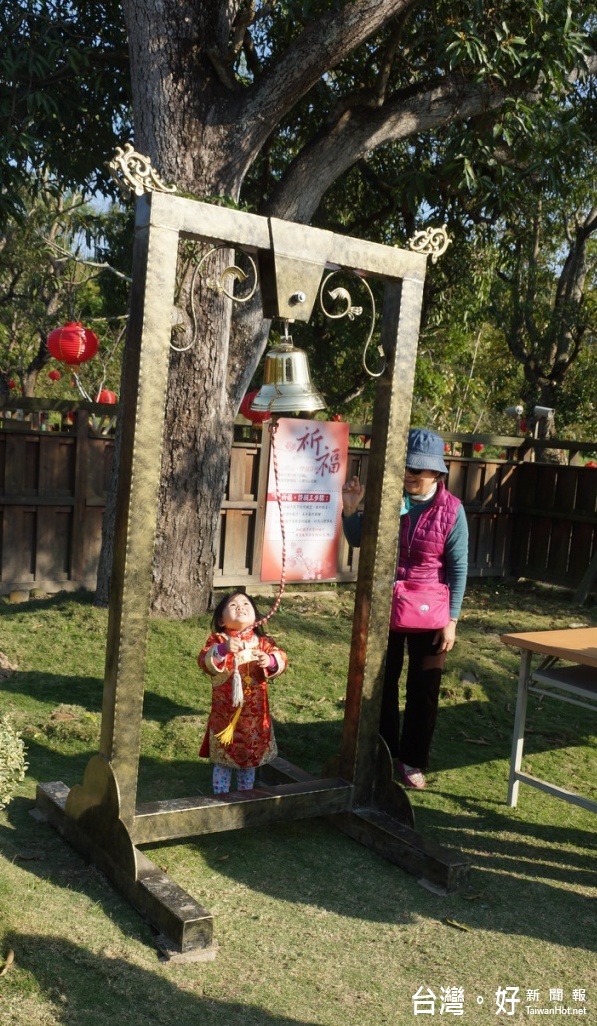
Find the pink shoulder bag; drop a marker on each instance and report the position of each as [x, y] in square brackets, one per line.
[420, 606]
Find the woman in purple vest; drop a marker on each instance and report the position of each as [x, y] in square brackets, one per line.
[433, 547]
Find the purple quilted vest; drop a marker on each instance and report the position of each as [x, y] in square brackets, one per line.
[422, 546]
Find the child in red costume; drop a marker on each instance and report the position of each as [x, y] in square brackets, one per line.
[240, 659]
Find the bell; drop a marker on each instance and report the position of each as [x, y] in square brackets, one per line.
[287, 384]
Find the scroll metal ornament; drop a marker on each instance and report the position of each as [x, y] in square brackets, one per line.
[431, 241]
[342, 294]
[134, 174]
[218, 285]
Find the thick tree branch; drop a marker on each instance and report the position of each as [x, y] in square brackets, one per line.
[321, 46]
[361, 130]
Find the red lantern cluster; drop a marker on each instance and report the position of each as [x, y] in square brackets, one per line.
[106, 396]
[54, 375]
[72, 344]
[256, 416]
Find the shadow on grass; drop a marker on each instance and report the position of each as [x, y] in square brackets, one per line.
[90, 988]
[526, 877]
[53, 687]
[59, 600]
[86, 692]
[468, 734]
[496, 835]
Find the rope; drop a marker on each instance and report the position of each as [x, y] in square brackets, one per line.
[273, 429]
[225, 736]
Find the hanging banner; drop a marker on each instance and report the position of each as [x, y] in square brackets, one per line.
[312, 457]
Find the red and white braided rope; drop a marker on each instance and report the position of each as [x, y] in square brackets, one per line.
[273, 427]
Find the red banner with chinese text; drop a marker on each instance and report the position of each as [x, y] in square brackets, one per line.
[312, 457]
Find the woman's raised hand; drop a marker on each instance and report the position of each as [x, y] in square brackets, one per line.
[352, 496]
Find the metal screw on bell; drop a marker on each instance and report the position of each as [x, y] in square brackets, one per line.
[287, 385]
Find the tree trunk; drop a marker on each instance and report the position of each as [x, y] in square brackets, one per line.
[202, 128]
[178, 127]
[198, 430]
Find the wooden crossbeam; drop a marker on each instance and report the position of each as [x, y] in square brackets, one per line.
[193, 817]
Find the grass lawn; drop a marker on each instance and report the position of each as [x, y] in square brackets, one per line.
[313, 928]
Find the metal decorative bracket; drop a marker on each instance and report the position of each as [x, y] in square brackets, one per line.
[431, 241]
[134, 174]
[352, 312]
[218, 285]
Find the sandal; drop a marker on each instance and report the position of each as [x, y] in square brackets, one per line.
[412, 777]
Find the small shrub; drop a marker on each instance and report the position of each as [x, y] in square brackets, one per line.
[12, 761]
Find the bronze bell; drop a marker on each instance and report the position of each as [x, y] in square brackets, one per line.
[287, 384]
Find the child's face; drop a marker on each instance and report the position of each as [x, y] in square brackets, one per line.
[238, 613]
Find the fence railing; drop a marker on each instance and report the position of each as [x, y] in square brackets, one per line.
[529, 519]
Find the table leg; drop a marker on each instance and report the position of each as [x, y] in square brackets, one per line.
[519, 721]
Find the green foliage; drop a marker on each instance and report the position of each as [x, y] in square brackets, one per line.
[64, 105]
[61, 264]
[64, 94]
[543, 294]
[469, 165]
[12, 760]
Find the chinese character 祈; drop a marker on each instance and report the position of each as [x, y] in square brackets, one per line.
[310, 438]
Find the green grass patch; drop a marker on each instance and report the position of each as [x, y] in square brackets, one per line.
[314, 930]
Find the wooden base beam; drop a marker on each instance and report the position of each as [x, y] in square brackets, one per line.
[183, 925]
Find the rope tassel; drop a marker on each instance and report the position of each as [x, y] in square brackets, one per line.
[237, 688]
[225, 736]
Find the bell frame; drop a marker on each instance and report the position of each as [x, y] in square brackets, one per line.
[101, 817]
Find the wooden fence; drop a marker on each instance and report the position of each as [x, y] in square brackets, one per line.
[525, 518]
[53, 486]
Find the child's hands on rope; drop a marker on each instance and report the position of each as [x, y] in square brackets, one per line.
[235, 645]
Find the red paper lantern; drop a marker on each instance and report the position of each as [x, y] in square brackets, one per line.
[11, 383]
[106, 396]
[590, 463]
[478, 446]
[72, 344]
[256, 416]
[54, 375]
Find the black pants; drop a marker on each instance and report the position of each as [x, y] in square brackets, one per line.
[423, 679]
